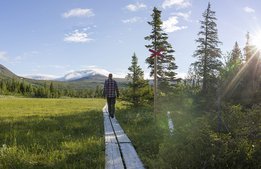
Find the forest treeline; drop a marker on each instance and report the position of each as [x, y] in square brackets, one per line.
[46, 90]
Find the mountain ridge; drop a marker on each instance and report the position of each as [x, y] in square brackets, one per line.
[80, 80]
[5, 73]
[90, 73]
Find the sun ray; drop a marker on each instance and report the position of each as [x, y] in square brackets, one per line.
[231, 85]
[257, 39]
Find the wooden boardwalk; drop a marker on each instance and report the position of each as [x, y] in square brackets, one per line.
[119, 151]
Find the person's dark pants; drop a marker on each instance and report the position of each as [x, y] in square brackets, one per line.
[111, 105]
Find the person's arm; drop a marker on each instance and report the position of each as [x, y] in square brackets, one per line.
[104, 89]
[117, 90]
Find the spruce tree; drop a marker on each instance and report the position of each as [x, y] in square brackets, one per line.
[236, 55]
[251, 73]
[234, 60]
[51, 88]
[230, 75]
[159, 41]
[137, 82]
[247, 48]
[208, 52]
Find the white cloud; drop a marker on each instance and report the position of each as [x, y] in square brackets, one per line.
[3, 56]
[78, 12]
[135, 7]
[249, 10]
[77, 36]
[40, 77]
[170, 25]
[132, 20]
[185, 16]
[177, 3]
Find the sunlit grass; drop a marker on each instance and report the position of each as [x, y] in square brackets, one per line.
[51, 133]
[150, 133]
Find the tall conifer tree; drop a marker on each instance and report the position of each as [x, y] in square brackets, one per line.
[137, 82]
[159, 40]
[208, 52]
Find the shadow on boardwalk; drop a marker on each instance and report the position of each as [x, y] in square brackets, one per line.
[119, 152]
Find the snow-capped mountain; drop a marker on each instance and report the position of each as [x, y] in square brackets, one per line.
[76, 75]
[41, 77]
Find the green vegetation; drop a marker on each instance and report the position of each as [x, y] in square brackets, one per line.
[158, 40]
[138, 92]
[208, 53]
[195, 143]
[51, 133]
[216, 110]
[46, 89]
[11, 84]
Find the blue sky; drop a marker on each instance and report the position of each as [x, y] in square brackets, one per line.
[54, 37]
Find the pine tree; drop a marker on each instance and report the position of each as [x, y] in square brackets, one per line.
[247, 48]
[230, 75]
[22, 88]
[236, 55]
[208, 52]
[234, 60]
[51, 88]
[137, 82]
[251, 73]
[159, 41]
[3, 87]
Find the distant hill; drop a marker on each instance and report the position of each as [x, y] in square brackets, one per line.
[6, 73]
[77, 80]
[84, 75]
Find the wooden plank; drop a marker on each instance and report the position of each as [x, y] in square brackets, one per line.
[130, 156]
[118, 148]
[109, 133]
[121, 136]
[113, 158]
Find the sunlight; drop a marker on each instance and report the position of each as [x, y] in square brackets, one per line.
[257, 39]
[230, 85]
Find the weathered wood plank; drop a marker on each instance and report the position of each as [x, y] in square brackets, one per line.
[113, 158]
[130, 156]
[121, 136]
[117, 147]
[109, 133]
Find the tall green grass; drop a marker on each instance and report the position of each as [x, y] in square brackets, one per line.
[195, 143]
[144, 131]
[51, 133]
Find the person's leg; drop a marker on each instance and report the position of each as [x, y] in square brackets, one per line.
[113, 101]
[109, 104]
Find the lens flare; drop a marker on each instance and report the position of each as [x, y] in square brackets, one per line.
[257, 39]
[231, 84]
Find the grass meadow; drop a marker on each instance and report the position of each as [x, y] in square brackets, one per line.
[51, 133]
[150, 134]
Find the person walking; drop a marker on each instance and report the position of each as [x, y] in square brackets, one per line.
[111, 91]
